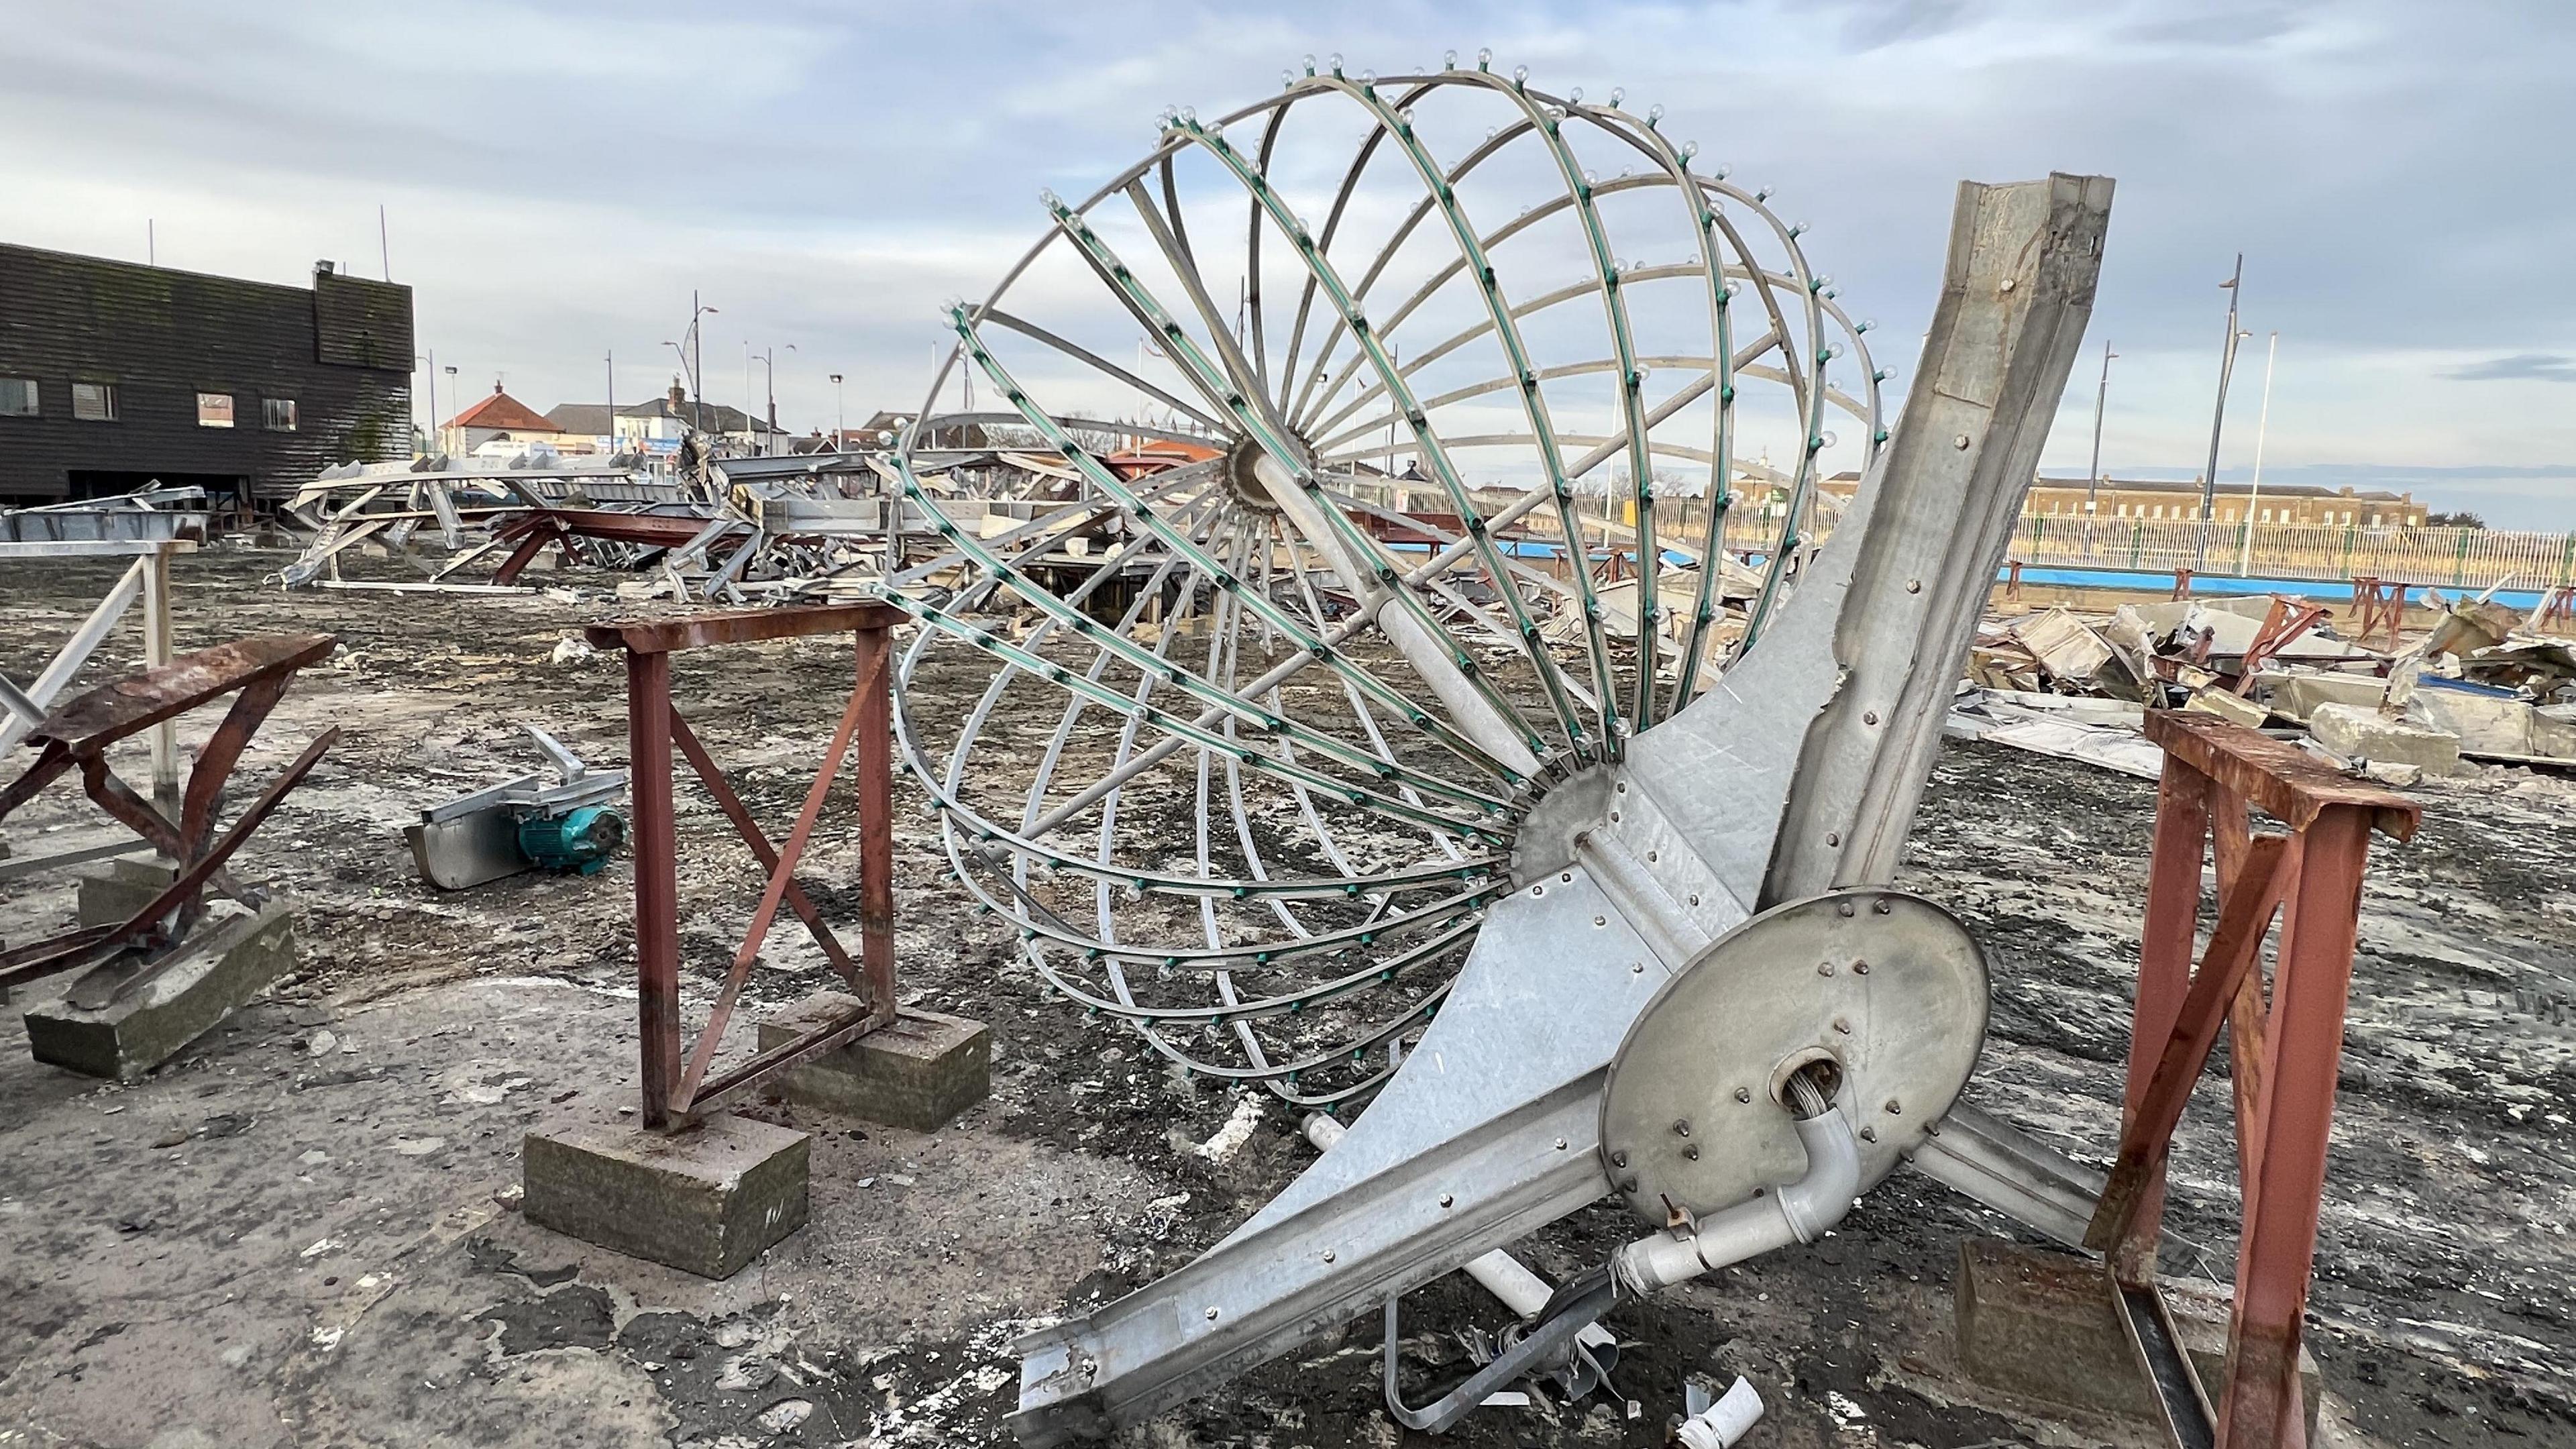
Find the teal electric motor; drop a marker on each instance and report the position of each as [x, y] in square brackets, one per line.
[580, 839]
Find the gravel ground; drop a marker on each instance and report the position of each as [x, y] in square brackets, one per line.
[299, 1231]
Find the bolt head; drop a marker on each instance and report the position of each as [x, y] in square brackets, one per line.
[1691, 1152]
[1895, 1107]
[1842, 908]
[1744, 1094]
[1681, 1128]
[1842, 1024]
[1211, 1315]
[1882, 907]
[1824, 968]
[1618, 1159]
[1448, 1200]
[1860, 968]
[1330, 1255]
[1560, 1144]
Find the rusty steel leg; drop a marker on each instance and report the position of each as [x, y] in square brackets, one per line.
[2262, 1407]
[2245, 916]
[2164, 978]
[657, 879]
[876, 823]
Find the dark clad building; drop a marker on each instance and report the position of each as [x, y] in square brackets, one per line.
[114, 375]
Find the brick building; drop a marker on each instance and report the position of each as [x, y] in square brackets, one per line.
[115, 374]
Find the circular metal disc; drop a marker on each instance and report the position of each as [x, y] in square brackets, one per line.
[1888, 985]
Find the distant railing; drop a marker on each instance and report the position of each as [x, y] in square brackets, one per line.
[2460, 558]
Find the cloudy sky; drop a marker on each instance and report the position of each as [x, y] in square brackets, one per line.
[557, 177]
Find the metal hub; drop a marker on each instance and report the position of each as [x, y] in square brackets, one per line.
[1888, 987]
[1243, 482]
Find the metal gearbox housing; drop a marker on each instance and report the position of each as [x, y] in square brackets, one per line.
[1886, 987]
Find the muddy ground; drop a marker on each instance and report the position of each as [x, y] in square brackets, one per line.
[300, 1230]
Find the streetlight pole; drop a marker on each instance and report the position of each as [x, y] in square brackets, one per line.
[451, 392]
[2093, 479]
[430, 437]
[840, 417]
[612, 402]
[698, 366]
[2218, 417]
[768, 358]
[2262, 425]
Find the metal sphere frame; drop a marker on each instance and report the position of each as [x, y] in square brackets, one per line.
[1287, 773]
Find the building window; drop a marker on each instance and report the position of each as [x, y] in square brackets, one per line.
[277, 414]
[17, 397]
[2228, 517]
[94, 402]
[214, 410]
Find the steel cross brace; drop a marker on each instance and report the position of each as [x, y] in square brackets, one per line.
[679, 1084]
[256, 672]
[2285, 1046]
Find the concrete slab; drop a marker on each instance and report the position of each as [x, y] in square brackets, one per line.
[2042, 1323]
[918, 1072]
[2227, 706]
[2358, 733]
[707, 1199]
[112, 892]
[235, 955]
[2298, 695]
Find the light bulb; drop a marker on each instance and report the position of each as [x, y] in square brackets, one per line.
[1654, 115]
[1828, 440]
[1310, 62]
[1368, 77]
[1520, 75]
[1762, 195]
[1865, 324]
[1819, 283]
[1574, 97]
[1484, 57]
[1047, 194]
[1689, 149]
[1287, 78]
[1336, 62]
[1189, 115]
[1617, 95]
[1448, 60]
[1832, 351]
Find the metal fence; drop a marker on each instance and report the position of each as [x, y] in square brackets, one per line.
[2470, 558]
[2460, 558]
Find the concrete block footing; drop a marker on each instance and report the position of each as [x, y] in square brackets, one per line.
[234, 955]
[110, 894]
[917, 1072]
[2043, 1324]
[706, 1199]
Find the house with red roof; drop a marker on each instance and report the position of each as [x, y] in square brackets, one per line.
[499, 418]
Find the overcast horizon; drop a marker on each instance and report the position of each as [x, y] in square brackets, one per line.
[557, 178]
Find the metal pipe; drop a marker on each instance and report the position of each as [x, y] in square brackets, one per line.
[1793, 1212]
